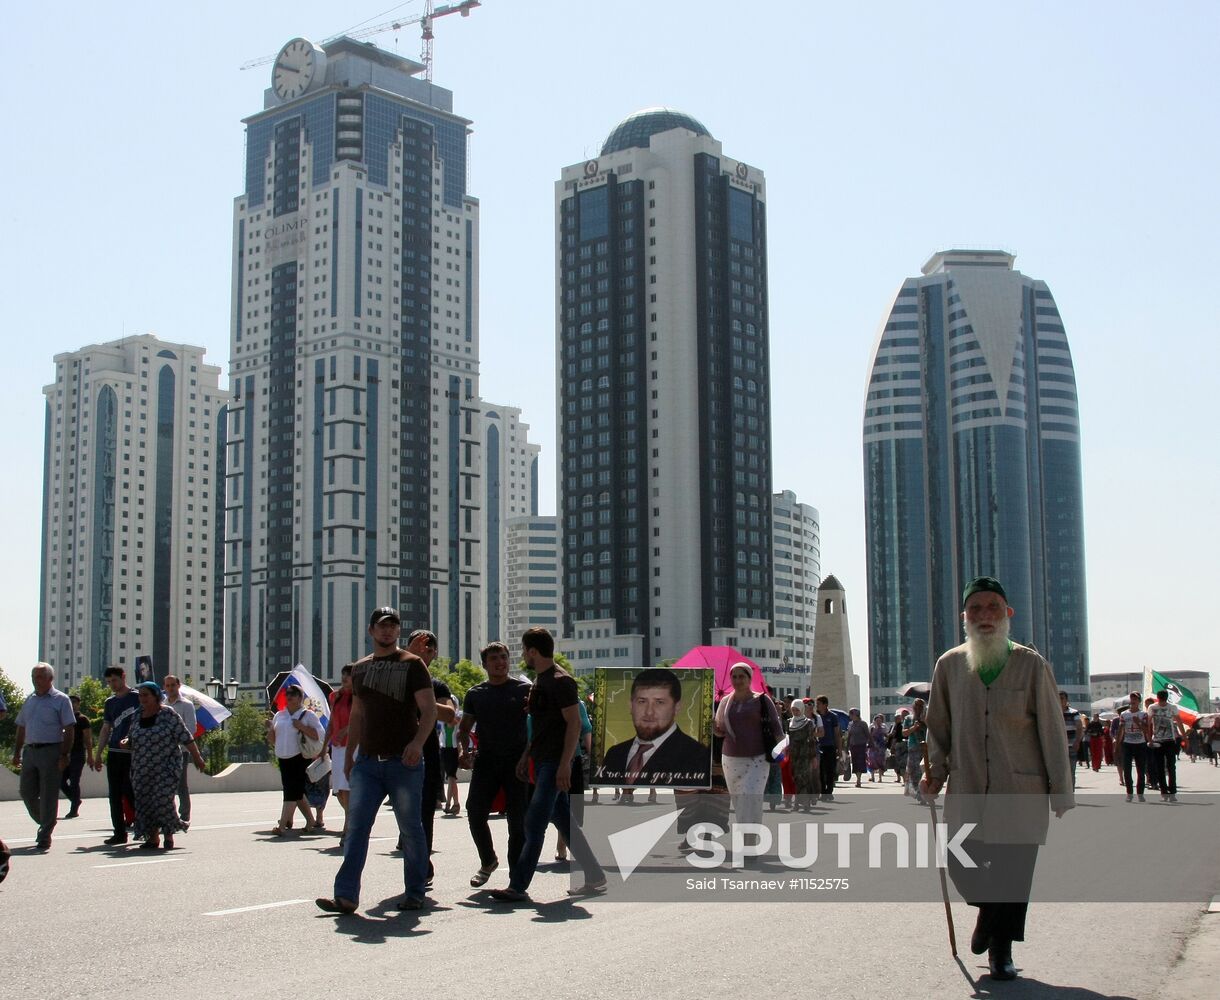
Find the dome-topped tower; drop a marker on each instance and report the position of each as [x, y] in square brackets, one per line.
[634, 131]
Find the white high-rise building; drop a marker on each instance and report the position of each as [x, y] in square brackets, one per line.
[662, 361]
[132, 484]
[354, 433]
[533, 593]
[797, 549]
[510, 490]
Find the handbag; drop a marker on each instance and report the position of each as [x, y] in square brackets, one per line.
[769, 740]
[310, 747]
[318, 768]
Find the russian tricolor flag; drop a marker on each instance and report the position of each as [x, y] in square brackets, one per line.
[315, 698]
[209, 713]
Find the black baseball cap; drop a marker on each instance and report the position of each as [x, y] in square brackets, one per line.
[381, 614]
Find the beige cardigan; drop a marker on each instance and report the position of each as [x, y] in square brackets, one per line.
[1003, 747]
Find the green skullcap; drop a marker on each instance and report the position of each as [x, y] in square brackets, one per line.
[985, 584]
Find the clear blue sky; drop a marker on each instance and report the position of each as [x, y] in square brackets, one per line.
[1079, 136]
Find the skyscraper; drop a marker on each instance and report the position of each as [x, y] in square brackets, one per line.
[797, 552]
[533, 579]
[510, 490]
[664, 397]
[132, 493]
[972, 466]
[353, 435]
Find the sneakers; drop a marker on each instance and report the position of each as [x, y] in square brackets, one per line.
[1142, 799]
[1173, 796]
[1129, 796]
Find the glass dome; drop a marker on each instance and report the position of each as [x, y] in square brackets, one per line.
[634, 131]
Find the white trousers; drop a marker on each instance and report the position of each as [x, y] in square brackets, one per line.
[747, 781]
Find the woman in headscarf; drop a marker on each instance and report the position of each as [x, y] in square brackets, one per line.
[804, 728]
[741, 719]
[156, 741]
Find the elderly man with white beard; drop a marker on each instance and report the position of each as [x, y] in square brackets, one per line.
[995, 732]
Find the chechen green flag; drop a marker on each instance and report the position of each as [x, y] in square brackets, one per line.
[1181, 698]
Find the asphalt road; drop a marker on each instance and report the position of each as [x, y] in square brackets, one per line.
[231, 912]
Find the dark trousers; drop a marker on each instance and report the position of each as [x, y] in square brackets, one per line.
[118, 780]
[69, 782]
[490, 774]
[1154, 770]
[1167, 759]
[999, 886]
[40, 787]
[701, 807]
[549, 805]
[1134, 753]
[828, 761]
[434, 783]
[184, 789]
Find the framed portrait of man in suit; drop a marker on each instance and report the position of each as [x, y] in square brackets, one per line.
[652, 727]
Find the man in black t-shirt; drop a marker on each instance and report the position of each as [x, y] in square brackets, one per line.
[497, 708]
[82, 753]
[555, 719]
[423, 644]
[118, 714]
[392, 713]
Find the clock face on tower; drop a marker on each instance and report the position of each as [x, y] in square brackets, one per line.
[299, 65]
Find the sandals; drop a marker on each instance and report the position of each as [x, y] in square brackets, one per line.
[480, 877]
[279, 831]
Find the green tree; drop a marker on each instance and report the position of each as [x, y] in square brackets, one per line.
[13, 696]
[247, 725]
[582, 680]
[92, 697]
[460, 677]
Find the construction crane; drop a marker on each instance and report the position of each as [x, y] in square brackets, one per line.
[424, 20]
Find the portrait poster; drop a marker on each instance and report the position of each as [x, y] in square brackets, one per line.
[652, 727]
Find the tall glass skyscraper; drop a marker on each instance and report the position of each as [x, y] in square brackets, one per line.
[664, 395]
[353, 438]
[972, 467]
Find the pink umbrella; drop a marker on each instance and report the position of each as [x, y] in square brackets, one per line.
[721, 660]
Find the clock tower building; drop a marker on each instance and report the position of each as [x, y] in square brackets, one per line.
[352, 435]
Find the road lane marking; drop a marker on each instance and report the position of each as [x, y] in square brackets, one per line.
[260, 906]
[105, 833]
[129, 864]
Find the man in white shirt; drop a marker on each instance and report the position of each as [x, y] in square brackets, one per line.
[1132, 739]
[46, 730]
[186, 710]
[1167, 731]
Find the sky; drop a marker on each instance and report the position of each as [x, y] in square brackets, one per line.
[1080, 137]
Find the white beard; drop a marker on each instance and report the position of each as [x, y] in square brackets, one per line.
[984, 650]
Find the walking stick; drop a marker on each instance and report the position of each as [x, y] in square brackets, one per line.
[944, 884]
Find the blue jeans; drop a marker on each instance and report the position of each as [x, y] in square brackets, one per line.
[550, 805]
[373, 779]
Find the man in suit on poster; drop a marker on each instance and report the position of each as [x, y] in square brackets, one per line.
[659, 753]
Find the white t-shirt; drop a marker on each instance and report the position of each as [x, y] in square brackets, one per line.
[287, 738]
[1162, 717]
[1133, 726]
